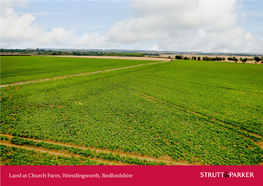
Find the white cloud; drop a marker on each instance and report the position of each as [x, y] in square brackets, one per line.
[188, 13]
[20, 30]
[94, 40]
[15, 29]
[13, 3]
[154, 47]
[58, 36]
[213, 40]
[200, 25]
[197, 25]
[249, 37]
[133, 30]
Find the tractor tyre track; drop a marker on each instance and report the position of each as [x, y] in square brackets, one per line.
[6, 92]
[80, 74]
[56, 153]
[214, 121]
[166, 159]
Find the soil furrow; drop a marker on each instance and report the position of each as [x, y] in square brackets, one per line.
[43, 150]
[166, 159]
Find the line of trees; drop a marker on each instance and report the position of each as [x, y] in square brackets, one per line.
[199, 58]
[78, 53]
[257, 59]
[213, 59]
[91, 53]
[243, 60]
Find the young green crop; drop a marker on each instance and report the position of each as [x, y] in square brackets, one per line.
[231, 93]
[19, 156]
[4, 138]
[85, 153]
[170, 109]
[24, 68]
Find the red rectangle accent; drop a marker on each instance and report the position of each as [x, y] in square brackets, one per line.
[141, 175]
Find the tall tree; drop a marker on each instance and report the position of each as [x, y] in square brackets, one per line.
[257, 59]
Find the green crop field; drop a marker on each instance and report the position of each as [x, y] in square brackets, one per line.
[195, 112]
[19, 156]
[23, 68]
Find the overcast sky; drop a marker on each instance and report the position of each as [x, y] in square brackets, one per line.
[178, 25]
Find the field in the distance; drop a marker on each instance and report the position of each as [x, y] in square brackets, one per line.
[179, 112]
[25, 68]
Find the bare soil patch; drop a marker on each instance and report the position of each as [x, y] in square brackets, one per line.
[119, 57]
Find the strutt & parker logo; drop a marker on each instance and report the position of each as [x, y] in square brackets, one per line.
[226, 174]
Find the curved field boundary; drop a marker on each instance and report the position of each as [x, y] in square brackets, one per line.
[168, 160]
[255, 137]
[42, 150]
[81, 74]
